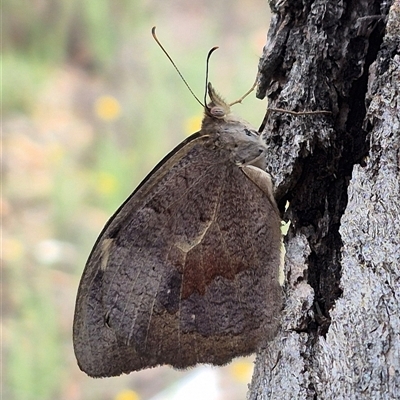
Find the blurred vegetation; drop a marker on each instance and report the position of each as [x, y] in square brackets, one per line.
[89, 105]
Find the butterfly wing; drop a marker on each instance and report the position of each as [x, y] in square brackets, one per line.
[185, 272]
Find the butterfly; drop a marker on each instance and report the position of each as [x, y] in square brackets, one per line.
[186, 270]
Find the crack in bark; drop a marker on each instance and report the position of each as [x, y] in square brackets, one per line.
[311, 157]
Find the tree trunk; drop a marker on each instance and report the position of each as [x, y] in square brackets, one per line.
[340, 176]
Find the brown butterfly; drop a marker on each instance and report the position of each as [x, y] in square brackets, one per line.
[186, 270]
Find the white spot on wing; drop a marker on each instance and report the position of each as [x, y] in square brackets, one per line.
[105, 252]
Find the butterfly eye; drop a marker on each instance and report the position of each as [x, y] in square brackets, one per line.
[217, 112]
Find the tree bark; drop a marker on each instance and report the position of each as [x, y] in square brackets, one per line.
[339, 174]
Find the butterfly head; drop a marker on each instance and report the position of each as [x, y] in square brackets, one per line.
[232, 134]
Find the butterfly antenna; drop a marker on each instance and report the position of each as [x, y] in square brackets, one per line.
[153, 32]
[246, 94]
[207, 68]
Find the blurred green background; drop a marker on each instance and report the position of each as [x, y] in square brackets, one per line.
[90, 104]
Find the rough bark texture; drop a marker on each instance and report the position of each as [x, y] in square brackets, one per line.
[340, 173]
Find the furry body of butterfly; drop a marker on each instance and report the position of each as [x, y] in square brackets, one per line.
[186, 271]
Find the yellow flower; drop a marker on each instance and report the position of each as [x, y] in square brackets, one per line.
[242, 370]
[107, 183]
[127, 395]
[13, 249]
[107, 108]
[193, 124]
